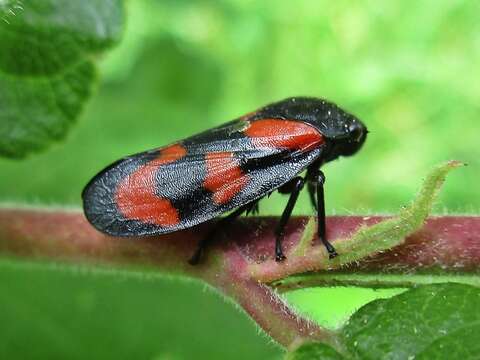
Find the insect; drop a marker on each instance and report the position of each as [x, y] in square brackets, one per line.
[227, 169]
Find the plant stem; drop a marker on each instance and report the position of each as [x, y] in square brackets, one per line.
[66, 236]
[449, 244]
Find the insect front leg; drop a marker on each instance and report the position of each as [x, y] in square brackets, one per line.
[294, 186]
[318, 179]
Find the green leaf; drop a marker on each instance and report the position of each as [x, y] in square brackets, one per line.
[312, 351]
[52, 311]
[439, 321]
[46, 66]
[36, 111]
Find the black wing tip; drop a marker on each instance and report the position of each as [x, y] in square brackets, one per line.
[100, 174]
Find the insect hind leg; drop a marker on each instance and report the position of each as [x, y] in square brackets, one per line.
[202, 244]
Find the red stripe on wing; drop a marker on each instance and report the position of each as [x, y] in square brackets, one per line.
[136, 194]
[224, 177]
[289, 134]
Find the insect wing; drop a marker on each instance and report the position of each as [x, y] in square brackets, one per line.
[190, 182]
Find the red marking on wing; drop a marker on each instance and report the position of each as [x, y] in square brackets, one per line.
[136, 197]
[224, 176]
[290, 134]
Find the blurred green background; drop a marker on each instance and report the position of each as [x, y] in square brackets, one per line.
[408, 69]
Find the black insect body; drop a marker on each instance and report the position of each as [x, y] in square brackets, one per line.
[226, 169]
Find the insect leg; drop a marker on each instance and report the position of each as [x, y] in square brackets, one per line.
[320, 181]
[253, 208]
[297, 185]
[312, 190]
[194, 260]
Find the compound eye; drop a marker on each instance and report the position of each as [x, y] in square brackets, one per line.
[355, 132]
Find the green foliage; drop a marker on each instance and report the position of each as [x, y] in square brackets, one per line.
[57, 312]
[405, 69]
[429, 322]
[312, 351]
[331, 304]
[421, 324]
[46, 66]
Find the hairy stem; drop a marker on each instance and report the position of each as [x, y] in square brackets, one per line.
[370, 280]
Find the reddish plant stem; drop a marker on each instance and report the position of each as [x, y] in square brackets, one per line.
[448, 243]
[66, 236]
[263, 303]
